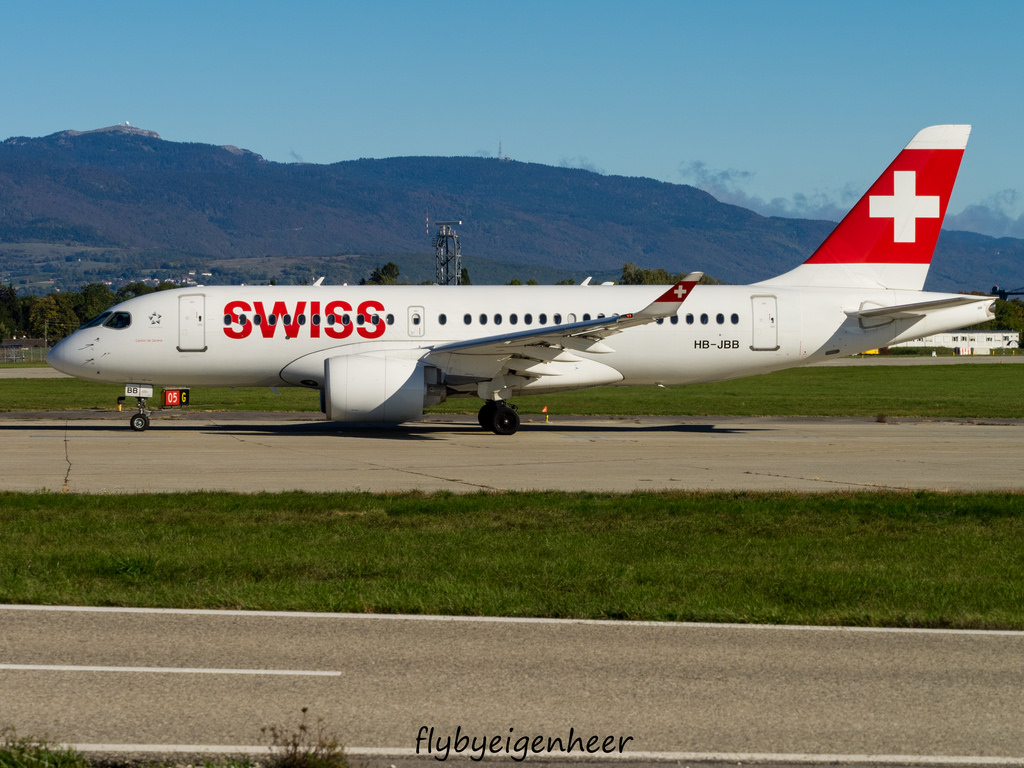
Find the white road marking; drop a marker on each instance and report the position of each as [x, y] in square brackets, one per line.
[168, 670]
[712, 757]
[504, 620]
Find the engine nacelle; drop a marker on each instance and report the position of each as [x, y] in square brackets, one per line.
[379, 388]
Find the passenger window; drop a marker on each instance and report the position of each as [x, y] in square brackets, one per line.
[483, 319]
[720, 318]
[675, 319]
[542, 319]
[257, 319]
[528, 318]
[467, 319]
[735, 319]
[271, 319]
[286, 319]
[316, 319]
[390, 320]
[556, 319]
[689, 318]
[586, 316]
[704, 319]
[442, 319]
[513, 319]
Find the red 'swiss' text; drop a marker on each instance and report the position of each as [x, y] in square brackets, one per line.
[334, 319]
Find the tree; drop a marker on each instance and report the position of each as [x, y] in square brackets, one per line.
[95, 298]
[132, 290]
[385, 275]
[634, 275]
[52, 317]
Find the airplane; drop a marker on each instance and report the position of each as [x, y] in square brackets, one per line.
[384, 354]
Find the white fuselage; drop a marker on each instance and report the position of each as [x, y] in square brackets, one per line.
[281, 336]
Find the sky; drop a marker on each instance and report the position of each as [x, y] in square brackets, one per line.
[788, 108]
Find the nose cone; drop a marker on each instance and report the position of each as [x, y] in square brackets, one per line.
[57, 357]
[65, 357]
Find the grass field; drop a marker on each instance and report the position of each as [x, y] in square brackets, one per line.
[947, 391]
[887, 559]
[880, 559]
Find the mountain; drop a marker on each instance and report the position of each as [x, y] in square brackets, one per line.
[120, 201]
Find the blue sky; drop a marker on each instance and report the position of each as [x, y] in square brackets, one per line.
[785, 107]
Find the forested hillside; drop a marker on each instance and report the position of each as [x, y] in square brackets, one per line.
[121, 203]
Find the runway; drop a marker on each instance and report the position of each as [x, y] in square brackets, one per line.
[674, 692]
[91, 452]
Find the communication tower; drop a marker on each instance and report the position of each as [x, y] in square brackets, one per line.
[448, 253]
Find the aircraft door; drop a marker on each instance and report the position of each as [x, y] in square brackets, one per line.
[766, 324]
[192, 323]
[417, 319]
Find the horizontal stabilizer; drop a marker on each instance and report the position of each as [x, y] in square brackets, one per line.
[919, 309]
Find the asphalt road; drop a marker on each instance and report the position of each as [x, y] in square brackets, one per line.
[668, 691]
[95, 453]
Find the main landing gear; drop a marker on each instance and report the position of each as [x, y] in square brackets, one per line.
[499, 417]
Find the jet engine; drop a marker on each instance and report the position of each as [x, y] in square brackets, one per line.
[379, 388]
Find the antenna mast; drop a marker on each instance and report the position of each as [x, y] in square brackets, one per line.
[448, 253]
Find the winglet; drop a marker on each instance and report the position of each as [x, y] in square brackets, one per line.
[670, 301]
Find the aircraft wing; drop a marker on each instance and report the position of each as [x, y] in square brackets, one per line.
[496, 366]
[584, 336]
[919, 309]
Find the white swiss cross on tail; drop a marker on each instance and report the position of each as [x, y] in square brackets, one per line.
[904, 206]
[887, 240]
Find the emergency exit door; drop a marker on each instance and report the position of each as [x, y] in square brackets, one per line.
[766, 324]
[192, 323]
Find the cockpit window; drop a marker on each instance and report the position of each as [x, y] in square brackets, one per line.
[118, 320]
[97, 320]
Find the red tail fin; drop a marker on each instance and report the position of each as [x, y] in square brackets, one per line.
[889, 236]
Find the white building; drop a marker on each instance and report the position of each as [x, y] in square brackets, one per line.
[968, 342]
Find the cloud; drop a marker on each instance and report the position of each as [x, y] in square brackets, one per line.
[726, 186]
[995, 216]
[580, 163]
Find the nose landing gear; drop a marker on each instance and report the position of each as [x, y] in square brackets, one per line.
[140, 421]
[499, 417]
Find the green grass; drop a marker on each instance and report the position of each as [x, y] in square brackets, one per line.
[22, 752]
[878, 559]
[306, 745]
[948, 391]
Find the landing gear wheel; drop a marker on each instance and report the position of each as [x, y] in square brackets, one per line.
[139, 422]
[505, 421]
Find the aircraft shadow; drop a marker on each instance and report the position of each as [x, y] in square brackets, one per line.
[411, 431]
